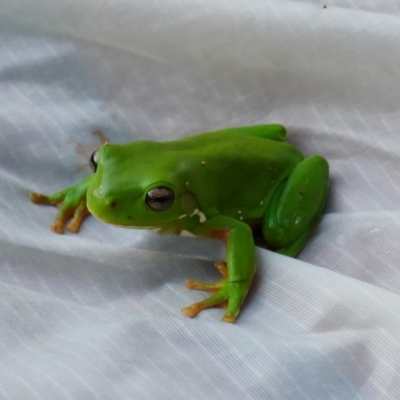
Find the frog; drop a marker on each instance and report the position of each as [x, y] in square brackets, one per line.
[222, 184]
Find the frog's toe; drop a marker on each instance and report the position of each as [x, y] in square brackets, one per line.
[232, 308]
[228, 317]
[73, 226]
[65, 211]
[57, 226]
[80, 213]
[222, 268]
[208, 287]
[214, 301]
[38, 198]
[191, 311]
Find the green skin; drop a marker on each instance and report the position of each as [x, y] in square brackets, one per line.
[224, 183]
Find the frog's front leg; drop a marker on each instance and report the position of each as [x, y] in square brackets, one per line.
[296, 206]
[237, 275]
[71, 203]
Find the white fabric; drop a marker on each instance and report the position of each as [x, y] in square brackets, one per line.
[96, 315]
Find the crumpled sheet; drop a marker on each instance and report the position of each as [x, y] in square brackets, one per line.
[96, 315]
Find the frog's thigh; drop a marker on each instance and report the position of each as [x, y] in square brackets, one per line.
[296, 206]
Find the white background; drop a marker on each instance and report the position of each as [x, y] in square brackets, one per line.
[96, 315]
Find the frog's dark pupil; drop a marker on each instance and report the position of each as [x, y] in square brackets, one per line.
[161, 199]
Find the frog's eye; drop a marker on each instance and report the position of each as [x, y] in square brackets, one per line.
[93, 161]
[160, 198]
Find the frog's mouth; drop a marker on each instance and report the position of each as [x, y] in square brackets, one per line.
[147, 228]
[111, 221]
[128, 224]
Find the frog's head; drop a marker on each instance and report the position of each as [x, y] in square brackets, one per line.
[134, 185]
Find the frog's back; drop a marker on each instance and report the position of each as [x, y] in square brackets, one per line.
[230, 145]
[226, 168]
[266, 131]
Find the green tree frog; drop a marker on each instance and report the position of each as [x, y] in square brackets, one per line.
[217, 184]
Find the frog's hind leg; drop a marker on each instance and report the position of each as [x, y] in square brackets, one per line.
[294, 248]
[296, 206]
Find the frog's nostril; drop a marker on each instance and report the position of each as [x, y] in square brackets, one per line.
[113, 204]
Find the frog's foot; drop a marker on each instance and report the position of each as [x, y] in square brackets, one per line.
[228, 295]
[69, 206]
[79, 215]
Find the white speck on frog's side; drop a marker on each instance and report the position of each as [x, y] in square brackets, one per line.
[261, 202]
[186, 233]
[239, 211]
[297, 220]
[182, 216]
[202, 216]
[241, 218]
